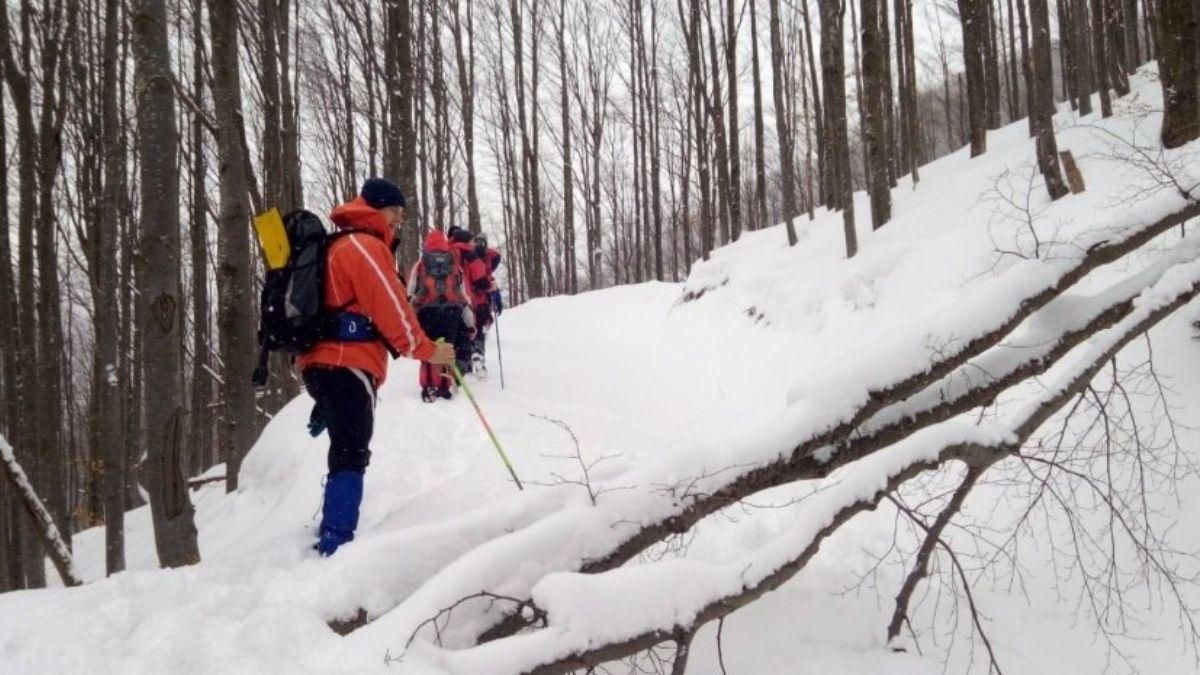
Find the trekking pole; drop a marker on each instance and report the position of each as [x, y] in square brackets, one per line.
[491, 434]
[499, 351]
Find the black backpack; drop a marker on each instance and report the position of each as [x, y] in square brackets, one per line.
[292, 315]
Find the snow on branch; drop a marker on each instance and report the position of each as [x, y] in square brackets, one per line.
[803, 445]
[1058, 328]
[60, 554]
[594, 618]
[819, 457]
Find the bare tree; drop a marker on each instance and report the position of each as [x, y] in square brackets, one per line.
[783, 131]
[107, 392]
[973, 15]
[1043, 95]
[235, 319]
[160, 292]
[874, 63]
[1179, 50]
[836, 133]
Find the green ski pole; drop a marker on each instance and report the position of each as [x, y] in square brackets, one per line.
[458, 378]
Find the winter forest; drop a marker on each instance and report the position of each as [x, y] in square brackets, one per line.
[841, 336]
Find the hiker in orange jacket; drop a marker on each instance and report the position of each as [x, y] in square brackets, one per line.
[343, 376]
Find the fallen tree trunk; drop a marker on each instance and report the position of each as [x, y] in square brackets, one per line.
[559, 649]
[60, 553]
[888, 411]
[885, 421]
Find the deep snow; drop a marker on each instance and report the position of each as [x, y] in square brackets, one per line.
[657, 390]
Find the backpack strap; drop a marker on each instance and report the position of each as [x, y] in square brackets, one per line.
[343, 326]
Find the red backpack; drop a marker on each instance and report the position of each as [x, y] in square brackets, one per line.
[439, 279]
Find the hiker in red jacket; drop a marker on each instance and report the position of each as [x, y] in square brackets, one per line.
[487, 294]
[343, 376]
[475, 276]
[437, 290]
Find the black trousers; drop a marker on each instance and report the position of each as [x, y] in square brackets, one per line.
[446, 321]
[346, 399]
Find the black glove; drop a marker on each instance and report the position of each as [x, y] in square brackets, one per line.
[497, 301]
[316, 422]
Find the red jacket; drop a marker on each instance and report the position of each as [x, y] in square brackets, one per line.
[360, 277]
[475, 273]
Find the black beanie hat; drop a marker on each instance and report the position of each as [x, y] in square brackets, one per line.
[459, 235]
[380, 193]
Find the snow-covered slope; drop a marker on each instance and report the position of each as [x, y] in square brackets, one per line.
[656, 389]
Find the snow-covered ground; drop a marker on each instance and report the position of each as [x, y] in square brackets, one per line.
[656, 390]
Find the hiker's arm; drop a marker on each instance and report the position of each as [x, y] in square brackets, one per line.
[379, 294]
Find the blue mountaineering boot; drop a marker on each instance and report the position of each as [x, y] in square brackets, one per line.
[339, 513]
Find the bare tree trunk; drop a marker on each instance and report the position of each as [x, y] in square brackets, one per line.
[889, 118]
[720, 141]
[108, 394]
[973, 14]
[27, 378]
[236, 430]
[170, 505]
[991, 64]
[655, 114]
[783, 132]
[464, 55]
[571, 283]
[1133, 55]
[833, 69]
[1047, 149]
[1027, 71]
[1099, 47]
[874, 62]
[400, 159]
[760, 163]
[735, 159]
[691, 28]
[818, 113]
[1081, 48]
[10, 412]
[1013, 63]
[1179, 68]
[202, 364]
[910, 89]
[1116, 64]
[291, 193]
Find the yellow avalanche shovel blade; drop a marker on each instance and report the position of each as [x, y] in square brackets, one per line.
[272, 237]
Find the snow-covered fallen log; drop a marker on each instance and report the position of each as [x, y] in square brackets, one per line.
[597, 539]
[60, 553]
[595, 618]
[1056, 325]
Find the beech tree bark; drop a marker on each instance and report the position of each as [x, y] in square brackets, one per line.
[160, 292]
[1047, 148]
[973, 15]
[783, 132]
[235, 311]
[875, 135]
[109, 405]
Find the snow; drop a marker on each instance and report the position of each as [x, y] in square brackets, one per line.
[678, 396]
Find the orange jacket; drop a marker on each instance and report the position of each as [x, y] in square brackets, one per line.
[360, 277]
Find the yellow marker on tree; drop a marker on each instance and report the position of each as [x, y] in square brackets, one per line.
[272, 238]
